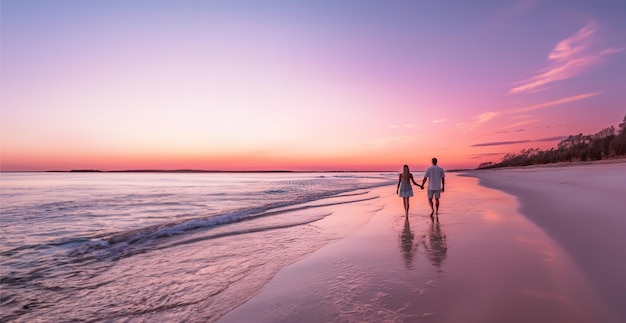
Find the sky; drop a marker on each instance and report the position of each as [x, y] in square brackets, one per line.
[302, 85]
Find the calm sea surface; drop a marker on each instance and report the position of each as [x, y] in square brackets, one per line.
[158, 246]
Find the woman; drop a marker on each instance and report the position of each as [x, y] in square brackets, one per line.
[404, 188]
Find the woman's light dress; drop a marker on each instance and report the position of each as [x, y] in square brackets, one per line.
[405, 189]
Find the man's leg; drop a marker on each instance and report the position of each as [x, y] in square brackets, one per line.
[430, 201]
[437, 205]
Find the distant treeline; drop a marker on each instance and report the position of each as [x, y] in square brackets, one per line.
[606, 144]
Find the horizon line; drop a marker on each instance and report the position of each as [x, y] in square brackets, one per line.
[213, 171]
[186, 171]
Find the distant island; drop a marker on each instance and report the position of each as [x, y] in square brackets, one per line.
[606, 144]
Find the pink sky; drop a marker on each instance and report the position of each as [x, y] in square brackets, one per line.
[303, 85]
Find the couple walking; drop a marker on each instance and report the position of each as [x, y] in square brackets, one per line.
[436, 185]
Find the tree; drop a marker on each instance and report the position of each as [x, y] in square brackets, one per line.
[617, 146]
[486, 165]
[604, 144]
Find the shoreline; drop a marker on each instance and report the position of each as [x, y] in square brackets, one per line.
[483, 262]
[581, 207]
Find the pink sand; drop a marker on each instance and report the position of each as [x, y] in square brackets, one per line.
[583, 208]
[484, 262]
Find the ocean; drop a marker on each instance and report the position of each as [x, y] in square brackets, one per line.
[146, 247]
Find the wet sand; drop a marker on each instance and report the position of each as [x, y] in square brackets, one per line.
[483, 262]
[583, 208]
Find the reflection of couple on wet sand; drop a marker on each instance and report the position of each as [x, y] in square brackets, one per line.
[435, 245]
[436, 185]
[406, 243]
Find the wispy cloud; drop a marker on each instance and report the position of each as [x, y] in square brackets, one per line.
[574, 44]
[480, 156]
[554, 102]
[569, 58]
[521, 123]
[478, 120]
[500, 143]
[486, 116]
[557, 138]
[507, 131]
[503, 143]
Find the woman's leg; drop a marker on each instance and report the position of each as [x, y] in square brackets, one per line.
[406, 205]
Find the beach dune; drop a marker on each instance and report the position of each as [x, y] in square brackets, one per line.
[486, 261]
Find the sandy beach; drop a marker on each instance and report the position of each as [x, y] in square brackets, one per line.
[581, 207]
[526, 245]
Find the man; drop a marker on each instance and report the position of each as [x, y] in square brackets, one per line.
[436, 186]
